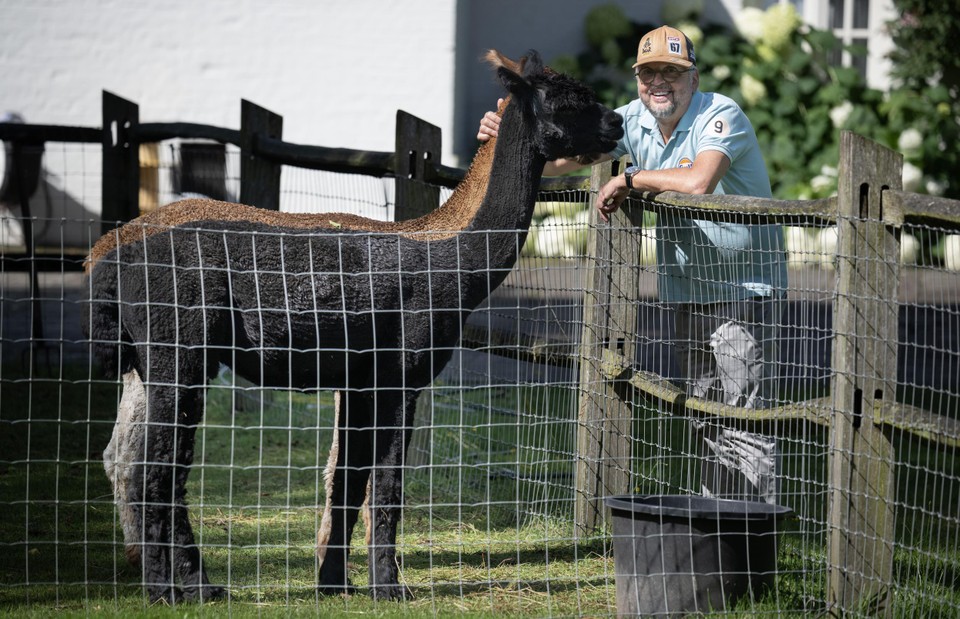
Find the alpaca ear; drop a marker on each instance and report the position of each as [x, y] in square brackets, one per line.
[531, 64]
[497, 60]
[512, 75]
[514, 83]
[509, 72]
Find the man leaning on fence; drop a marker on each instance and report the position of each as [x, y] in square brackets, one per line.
[725, 280]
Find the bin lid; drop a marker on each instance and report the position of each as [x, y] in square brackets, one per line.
[691, 506]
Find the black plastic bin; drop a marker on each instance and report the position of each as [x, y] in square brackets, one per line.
[675, 555]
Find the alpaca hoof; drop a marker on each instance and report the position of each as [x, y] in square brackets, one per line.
[132, 553]
[206, 593]
[165, 596]
[331, 590]
[395, 593]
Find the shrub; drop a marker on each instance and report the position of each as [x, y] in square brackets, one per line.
[779, 71]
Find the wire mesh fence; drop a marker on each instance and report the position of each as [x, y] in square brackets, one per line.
[493, 473]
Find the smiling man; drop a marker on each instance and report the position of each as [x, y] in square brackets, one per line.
[724, 280]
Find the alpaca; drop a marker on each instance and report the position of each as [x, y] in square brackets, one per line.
[369, 309]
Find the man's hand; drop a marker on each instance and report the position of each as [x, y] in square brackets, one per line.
[489, 124]
[611, 196]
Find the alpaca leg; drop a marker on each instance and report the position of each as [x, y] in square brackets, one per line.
[346, 490]
[151, 498]
[386, 498]
[187, 558]
[121, 456]
[168, 541]
[323, 533]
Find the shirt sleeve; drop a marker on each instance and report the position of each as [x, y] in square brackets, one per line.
[725, 129]
[623, 144]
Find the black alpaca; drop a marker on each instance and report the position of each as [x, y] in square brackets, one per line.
[369, 309]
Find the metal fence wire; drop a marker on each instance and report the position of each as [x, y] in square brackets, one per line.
[559, 392]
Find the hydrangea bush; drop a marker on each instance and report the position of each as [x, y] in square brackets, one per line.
[778, 69]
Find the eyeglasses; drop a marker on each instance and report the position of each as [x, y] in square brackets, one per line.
[669, 73]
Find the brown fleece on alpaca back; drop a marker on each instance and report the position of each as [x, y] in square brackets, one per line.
[454, 215]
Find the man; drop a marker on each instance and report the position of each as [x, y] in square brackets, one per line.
[725, 280]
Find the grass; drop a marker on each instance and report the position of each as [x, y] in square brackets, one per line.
[486, 530]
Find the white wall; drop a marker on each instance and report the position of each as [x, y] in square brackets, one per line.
[336, 71]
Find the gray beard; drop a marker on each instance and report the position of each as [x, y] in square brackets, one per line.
[662, 113]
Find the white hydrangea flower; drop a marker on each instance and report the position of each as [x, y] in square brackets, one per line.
[753, 89]
[909, 248]
[951, 252]
[693, 32]
[840, 113]
[821, 182]
[550, 239]
[827, 242]
[910, 141]
[912, 177]
[935, 188]
[828, 170]
[561, 236]
[720, 72]
[778, 25]
[749, 23]
[801, 247]
[676, 11]
[766, 53]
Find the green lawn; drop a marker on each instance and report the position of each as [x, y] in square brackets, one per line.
[486, 532]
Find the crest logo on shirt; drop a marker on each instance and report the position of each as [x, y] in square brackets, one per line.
[685, 163]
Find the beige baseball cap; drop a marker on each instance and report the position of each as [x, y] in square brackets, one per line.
[666, 44]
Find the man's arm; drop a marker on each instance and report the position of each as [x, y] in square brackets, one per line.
[701, 178]
[563, 166]
[490, 126]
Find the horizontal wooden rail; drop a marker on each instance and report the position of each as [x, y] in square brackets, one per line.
[918, 422]
[744, 209]
[902, 206]
[38, 134]
[157, 132]
[330, 159]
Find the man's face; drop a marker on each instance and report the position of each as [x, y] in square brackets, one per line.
[666, 100]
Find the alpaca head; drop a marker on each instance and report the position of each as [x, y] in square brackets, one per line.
[570, 121]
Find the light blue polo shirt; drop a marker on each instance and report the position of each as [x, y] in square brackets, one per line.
[703, 261]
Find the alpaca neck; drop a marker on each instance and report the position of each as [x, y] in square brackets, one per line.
[511, 192]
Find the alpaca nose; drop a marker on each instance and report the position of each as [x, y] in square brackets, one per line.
[613, 124]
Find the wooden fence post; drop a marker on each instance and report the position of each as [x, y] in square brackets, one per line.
[120, 180]
[417, 148]
[609, 323]
[861, 477]
[259, 178]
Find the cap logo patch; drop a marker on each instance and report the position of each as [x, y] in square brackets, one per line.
[646, 47]
[673, 45]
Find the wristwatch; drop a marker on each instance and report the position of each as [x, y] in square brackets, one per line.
[628, 175]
